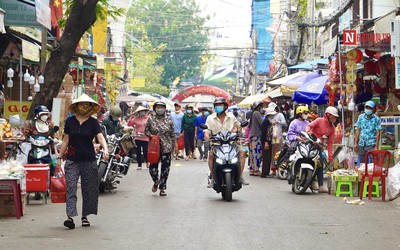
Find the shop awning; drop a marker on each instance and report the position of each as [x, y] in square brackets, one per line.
[248, 101]
[310, 64]
[282, 80]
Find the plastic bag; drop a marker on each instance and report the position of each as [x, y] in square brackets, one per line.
[153, 153]
[343, 155]
[393, 182]
[181, 142]
[58, 187]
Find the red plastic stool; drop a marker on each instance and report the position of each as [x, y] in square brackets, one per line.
[14, 183]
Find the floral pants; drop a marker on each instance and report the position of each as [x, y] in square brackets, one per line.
[255, 150]
[165, 166]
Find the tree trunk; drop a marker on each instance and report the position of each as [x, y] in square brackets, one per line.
[81, 18]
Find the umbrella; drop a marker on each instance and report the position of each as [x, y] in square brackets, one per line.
[291, 85]
[139, 98]
[312, 91]
[233, 107]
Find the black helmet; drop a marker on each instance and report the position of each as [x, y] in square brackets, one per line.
[41, 109]
[220, 100]
[160, 103]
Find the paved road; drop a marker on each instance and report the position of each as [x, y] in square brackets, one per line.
[264, 215]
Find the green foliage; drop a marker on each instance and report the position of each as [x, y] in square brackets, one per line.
[103, 11]
[302, 8]
[177, 24]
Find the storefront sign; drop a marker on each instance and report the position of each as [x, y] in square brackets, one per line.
[43, 13]
[19, 13]
[12, 108]
[390, 120]
[30, 51]
[366, 39]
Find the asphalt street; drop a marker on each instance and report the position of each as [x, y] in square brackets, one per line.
[263, 215]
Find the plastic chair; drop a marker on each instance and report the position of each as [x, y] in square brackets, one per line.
[381, 161]
[340, 184]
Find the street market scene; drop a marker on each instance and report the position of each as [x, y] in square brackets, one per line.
[254, 124]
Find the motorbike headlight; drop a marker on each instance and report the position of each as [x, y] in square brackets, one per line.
[219, 161]
[313, 153]
[234, 160]
[110, 148]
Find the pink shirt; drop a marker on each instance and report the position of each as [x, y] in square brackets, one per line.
[321, 126]
[140, 124]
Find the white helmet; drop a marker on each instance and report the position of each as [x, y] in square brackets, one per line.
[332, 110]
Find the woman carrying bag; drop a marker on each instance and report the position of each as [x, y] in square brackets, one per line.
[161, 125]
[78, 151]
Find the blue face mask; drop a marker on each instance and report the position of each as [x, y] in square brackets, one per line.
[189, 111]
[206, 113]
[368, 111]
[219, 109]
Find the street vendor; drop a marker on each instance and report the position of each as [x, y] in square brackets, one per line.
[368, 130]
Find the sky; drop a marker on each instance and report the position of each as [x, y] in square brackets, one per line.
[234, 19]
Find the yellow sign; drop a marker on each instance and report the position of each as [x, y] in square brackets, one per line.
[12, 108]
[30, 51]
[138, 82]
[100, 36]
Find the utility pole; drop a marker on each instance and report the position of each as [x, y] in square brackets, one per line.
[254, 72]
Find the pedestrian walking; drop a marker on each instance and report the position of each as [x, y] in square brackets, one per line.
[199, 134]
[138, 120]
[78, 151]
[266, 139]
[177, 117]
[188, 132]
[255, 147]
[368, 131]
[278, 122]
[160, 124]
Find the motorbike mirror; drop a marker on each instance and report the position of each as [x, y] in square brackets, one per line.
[56, 128]
[203, 126]
[244, 124]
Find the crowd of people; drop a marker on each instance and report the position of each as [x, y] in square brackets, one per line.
[264, 133]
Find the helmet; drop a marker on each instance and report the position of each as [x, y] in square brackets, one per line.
[256, 104]
[301, 109]
[159, 103]
[115, 111]
[41, 109]
[189, 106]
[370, 104]
[332, 110]
[272, 105]
[220, 100]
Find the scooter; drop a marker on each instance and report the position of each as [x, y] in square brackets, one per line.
[279, 162]
[304, 162]
[226, 165]
[117, 164]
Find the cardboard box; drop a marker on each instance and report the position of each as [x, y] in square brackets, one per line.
[7, 208]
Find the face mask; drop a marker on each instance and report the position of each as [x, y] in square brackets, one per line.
[142, 113]
[368, 111]
[44, 118]
[160, 111]
[206, 113]
[219, 109]
[304, 116]
[189, 111]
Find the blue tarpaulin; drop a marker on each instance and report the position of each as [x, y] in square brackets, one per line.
[310, 64]
[261, 19]
[312, 91]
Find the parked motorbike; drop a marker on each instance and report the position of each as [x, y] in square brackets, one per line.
[279, 162]
[226, 165]
[304, 162]
[117, 164]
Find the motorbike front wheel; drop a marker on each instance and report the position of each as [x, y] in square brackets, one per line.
[101, 171]
[282, 173]
[302, 182]
[227, 190]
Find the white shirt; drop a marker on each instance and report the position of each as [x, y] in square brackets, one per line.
[214, 123]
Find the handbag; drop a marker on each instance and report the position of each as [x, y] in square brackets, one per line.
[58, 186]
[181, 142]
[153, 153]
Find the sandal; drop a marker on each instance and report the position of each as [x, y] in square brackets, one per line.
[85, 222]
[139, 168]
[257, 173]
[163, 193]
[155, 186]
[69, 223]
[251, 172]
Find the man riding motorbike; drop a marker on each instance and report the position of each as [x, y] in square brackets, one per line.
[216, 122]
[112, 122]
[320, 127]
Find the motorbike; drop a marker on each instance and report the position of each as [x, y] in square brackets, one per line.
[226, 165]
[118, 163]
[279, 162]
[304, 162]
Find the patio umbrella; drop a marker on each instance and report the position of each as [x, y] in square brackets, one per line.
[312, 91]
[291, 85]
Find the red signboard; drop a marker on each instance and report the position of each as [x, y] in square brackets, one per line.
[201, 89]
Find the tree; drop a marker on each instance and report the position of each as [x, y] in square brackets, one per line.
[179, 25]
[81, 16]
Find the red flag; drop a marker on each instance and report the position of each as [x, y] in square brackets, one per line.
[56, 12]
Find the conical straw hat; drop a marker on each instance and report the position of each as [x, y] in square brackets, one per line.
[84, 98]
